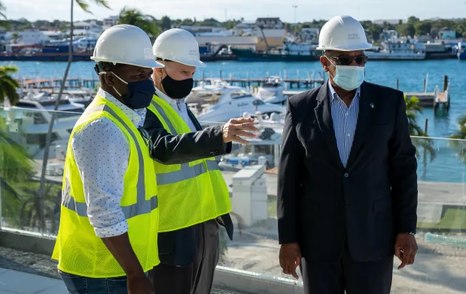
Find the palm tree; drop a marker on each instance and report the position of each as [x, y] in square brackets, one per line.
[412, 110]
[84, 6]
[426, 145]
[135, 17]
[15, 170]
[15, 164]
[461, 133]
[8, 85]
[460, 145]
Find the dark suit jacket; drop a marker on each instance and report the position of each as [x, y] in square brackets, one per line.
[323, 205]
[178, 247]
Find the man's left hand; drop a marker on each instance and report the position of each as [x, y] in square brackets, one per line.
[405, 248]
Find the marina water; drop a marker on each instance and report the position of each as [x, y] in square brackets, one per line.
[410, 76]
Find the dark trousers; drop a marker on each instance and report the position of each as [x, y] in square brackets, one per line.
[84, 285]
[196, 277]
[348, 275]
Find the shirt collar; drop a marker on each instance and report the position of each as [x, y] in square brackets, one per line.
[334, 94]
[168, 99]
[137, 116]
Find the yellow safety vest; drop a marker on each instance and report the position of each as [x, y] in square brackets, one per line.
[189, 193]
[78, 250]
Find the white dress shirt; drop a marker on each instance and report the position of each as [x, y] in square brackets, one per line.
[179, 106]
[102, 153]
[344, 120]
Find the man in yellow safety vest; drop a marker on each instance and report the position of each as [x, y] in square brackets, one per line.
[193, 195]
[109, 219]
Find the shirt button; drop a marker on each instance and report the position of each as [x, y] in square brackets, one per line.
[346, 175]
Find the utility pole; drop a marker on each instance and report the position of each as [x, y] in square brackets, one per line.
[294, 7]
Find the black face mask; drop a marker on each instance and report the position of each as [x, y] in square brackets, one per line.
[139, 93]
[177, 89]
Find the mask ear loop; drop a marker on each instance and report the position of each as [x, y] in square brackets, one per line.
[126, 83]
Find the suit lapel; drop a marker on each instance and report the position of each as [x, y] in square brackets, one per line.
[324, 120]
[365, 118]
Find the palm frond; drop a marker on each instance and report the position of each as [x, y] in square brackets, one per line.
[2, 10]
[103, 3]
[85, 5]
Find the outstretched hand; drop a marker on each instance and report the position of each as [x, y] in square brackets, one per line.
[236, 129]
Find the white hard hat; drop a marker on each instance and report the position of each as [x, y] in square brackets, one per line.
[125, 44]
[343, 33]
[178, 45]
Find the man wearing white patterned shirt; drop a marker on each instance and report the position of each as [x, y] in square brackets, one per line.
[107, 210]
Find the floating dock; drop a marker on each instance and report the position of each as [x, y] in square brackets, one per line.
[438, 100]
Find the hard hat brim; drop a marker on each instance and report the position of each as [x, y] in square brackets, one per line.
[195, 63]
[199, 64]
[148, 63]
[367, 46]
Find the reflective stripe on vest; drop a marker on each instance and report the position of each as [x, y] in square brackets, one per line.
[165, 117]
[141, 206]
[186, 171]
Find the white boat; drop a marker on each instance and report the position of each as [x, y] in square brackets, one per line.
[460, 51]
[271, 91]
[235, 162]
[216, 102]
[397, 51]
[209, 92]
[30, 118]
[230, 106]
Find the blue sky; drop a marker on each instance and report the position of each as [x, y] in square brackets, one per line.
[288, 11]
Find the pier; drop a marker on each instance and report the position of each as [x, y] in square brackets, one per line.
[256, 82]
[438, 100]
[77, 83]
[53, 85]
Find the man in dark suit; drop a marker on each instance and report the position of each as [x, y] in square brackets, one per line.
[347, 184]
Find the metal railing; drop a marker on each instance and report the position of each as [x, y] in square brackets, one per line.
[440, 264]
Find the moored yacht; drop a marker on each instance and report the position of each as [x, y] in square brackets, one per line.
[271, 91]
[397, 51]
[31, 116]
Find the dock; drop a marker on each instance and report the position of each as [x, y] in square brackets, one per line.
[438, 100]
[53, 85]
[77, 83]
[256, 82]
[431, 99]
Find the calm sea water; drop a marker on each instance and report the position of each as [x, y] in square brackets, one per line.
[410, 76]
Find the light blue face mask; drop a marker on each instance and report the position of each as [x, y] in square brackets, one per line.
[349, 77]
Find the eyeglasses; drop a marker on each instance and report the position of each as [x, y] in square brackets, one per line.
[347, 59]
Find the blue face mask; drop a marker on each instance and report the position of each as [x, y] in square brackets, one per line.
[349, 77]
[139, 93]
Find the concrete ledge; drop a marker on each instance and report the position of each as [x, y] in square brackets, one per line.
[225, 278]
[26, 241]
[250, 282]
